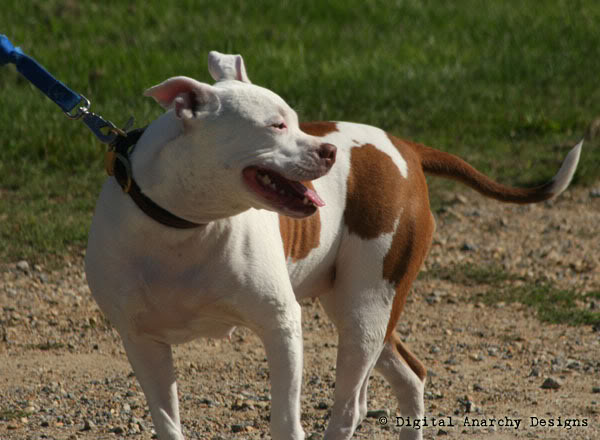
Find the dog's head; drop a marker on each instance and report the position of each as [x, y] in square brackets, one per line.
[243, 141]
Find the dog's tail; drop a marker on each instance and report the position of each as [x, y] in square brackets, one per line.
[447, 165]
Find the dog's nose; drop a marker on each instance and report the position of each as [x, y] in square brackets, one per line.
[327, 152]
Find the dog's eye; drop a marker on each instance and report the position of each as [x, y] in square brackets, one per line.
[279, 126]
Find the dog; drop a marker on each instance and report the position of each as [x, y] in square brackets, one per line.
[269, 220]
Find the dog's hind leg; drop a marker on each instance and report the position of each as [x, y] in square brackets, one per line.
[152, 364]
[406, 375]
[359, 305]
[402, 370]
[359, 346]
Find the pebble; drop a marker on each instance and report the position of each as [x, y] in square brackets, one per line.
[492, 351]
[596, 390]
[241, 405]
[467, 403]
[433, 395]
[23, 266]
[321, 405]
[88, 425]
[451, 361]
[238, 428]
[207, 402]
[551, 384]
[432, 299]
[595, 193]
[117, 430]
[460, 199]
[468, 247]
[134, 421]
[435, 297]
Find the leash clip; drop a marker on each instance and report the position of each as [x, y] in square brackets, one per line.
[97, 123]
[81, 110]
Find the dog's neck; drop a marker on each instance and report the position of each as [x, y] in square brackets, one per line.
[172, 168]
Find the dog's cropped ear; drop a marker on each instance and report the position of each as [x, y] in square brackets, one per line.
[222, 67]
[188, 96]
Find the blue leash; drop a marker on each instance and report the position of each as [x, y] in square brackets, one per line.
[58, 92]
[116, 160]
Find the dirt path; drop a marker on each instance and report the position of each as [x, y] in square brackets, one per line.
[64, 375]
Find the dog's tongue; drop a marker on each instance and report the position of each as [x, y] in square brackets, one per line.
[309, 194]
[314, 197]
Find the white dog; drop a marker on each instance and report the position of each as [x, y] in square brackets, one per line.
[246, 237]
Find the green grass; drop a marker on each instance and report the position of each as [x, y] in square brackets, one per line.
[470, 275]
[46, 346]
[497, 285]
[506, 84]
[551, 305]
[8, 414]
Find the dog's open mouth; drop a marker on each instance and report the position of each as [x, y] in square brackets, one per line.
[286, 196]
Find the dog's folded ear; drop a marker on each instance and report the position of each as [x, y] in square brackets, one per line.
[188, 96]
[227, 67]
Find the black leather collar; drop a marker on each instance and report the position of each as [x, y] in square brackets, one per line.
[118, 164]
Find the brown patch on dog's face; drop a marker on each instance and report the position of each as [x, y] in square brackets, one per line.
[300, 236]
[372, 202]
[319, 129]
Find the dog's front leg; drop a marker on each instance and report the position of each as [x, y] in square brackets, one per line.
[152, 364]
[282, 339]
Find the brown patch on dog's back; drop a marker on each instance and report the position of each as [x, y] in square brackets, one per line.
[372, 202]
[319, 129]
[300, 236]
[416, 218]
[412, 239]
[377, 196]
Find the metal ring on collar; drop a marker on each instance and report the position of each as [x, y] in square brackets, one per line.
[128, 175]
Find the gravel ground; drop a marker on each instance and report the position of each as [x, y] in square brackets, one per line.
[64, 375]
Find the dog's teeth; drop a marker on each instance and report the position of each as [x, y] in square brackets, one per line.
[273, 187]
[305, 201]
[265, 179]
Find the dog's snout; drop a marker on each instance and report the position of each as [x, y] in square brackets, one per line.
[327, 152]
